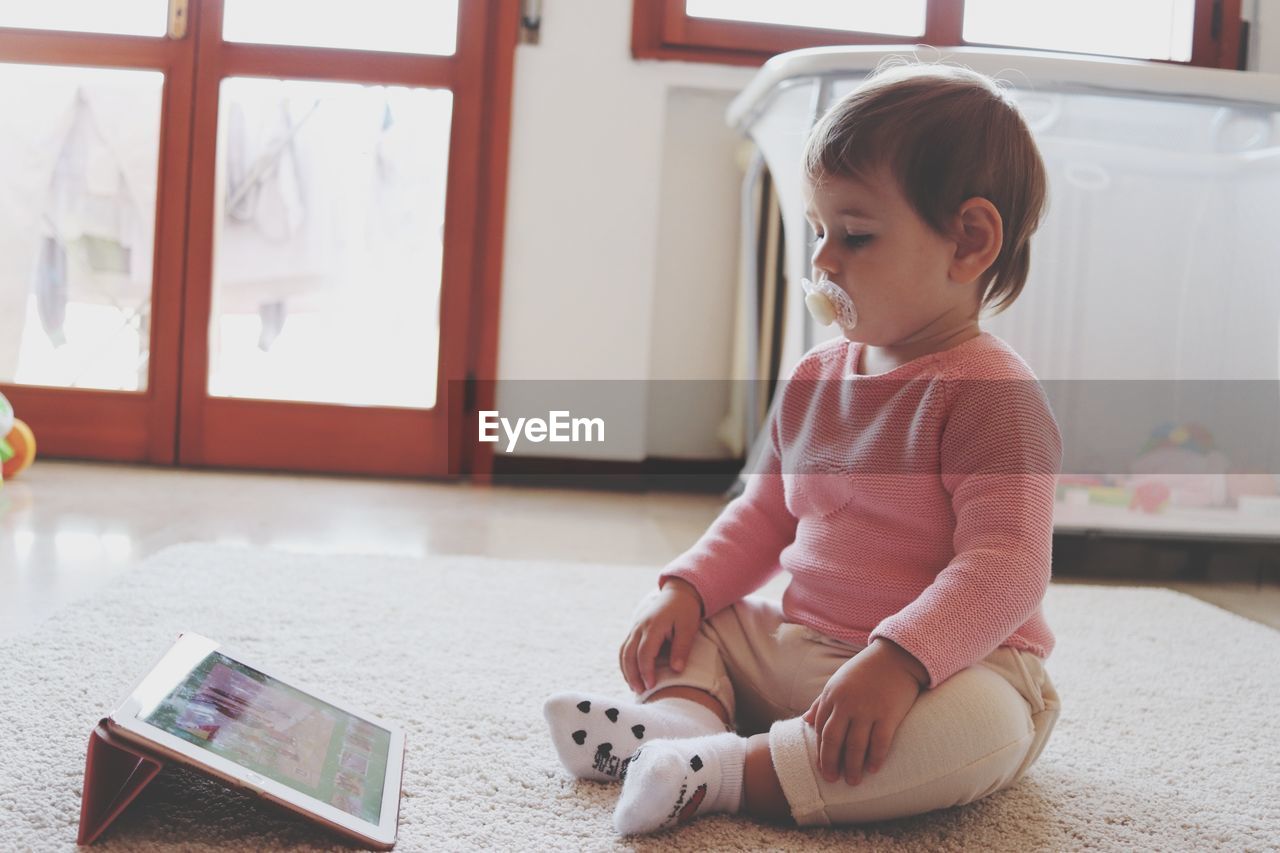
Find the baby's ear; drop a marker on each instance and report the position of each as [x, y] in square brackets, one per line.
[978, 232]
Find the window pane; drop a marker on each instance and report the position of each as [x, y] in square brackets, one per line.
[901, 17]
[78, 164]
[119, 17]
[405, 26]
[330, 217]
[1144, 29]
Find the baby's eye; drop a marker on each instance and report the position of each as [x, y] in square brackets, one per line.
[853, 241]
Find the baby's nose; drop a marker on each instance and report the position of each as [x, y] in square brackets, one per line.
[823, 262]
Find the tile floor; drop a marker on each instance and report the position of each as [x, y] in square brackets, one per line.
[68, 528]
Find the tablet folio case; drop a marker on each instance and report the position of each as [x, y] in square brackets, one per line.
[115, 771]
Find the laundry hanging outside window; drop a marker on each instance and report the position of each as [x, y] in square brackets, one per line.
[92, 228]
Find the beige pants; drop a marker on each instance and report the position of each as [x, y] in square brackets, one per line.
[970, 736]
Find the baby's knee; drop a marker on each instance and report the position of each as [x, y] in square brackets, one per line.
[702, 679]
[961, 741]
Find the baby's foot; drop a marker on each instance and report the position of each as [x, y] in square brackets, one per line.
[668, 782]
[595, 735]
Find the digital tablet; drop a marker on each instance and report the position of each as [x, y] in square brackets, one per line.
[210, 709]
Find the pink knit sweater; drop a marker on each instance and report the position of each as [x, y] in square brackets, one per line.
[915, 505]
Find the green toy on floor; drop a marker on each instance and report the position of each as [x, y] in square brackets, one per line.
[17, 443]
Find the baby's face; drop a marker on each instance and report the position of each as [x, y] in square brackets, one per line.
[873, 245]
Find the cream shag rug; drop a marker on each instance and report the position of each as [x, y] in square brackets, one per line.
[1169, 738]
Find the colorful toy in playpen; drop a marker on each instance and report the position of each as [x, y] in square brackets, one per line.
[1180, 465]
[17, 443]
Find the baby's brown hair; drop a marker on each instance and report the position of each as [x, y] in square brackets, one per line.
[946, 134]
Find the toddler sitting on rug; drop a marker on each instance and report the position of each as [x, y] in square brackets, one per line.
[907, 489]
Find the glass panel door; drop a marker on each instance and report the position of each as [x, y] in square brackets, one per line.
[334, 206]
[251, 254]
[93, 169]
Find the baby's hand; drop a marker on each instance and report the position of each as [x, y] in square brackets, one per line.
[860, 709]
[673, 616]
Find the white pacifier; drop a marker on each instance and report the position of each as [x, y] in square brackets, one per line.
[829, 304]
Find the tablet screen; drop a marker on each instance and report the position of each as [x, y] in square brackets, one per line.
[279, 732]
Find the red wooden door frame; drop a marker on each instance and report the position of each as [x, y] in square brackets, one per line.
[111, 425]
[474, 457]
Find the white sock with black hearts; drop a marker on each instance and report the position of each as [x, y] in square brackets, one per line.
[670, 782]
[595, 735]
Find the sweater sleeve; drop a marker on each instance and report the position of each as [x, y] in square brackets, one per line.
[1000, 455]
[739, 551]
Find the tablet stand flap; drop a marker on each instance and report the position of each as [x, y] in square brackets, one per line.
[115, 771]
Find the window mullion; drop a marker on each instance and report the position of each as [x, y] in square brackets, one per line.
[944, 22]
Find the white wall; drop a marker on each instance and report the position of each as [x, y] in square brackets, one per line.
[696, 280]
[601, 279]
